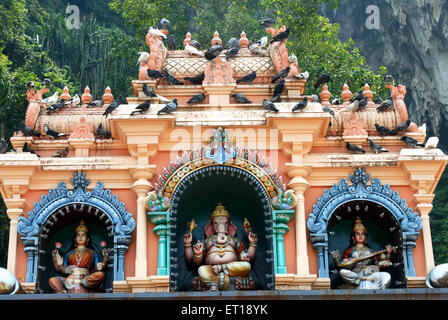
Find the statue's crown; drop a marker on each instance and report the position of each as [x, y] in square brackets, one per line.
[82, 227]
[220, 210]
[359, 226]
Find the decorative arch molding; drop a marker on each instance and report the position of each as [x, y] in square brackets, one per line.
[99, 199]
[408, 221]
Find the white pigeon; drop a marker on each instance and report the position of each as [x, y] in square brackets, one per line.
[192, 50]
[163, 99]
[259, 44]
[431, 143]
[50, 100]
[73, 102]
[422, 128]
[156, 33]
[302, 75]
[292, 58]
[143, 57]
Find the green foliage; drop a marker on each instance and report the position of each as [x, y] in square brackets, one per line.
[439, 221]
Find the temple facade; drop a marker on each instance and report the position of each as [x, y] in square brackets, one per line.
[285, 186]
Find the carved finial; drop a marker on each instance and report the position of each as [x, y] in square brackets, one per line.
[107, 96]
[187, 39]
[367, 93]
[325, 95]
[346, 94]
[65, 94]
[216, 38]
[86, 96]
[244, 42]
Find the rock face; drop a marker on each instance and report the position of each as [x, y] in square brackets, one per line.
[410, 38]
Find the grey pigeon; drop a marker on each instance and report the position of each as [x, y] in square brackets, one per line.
[213, 52]
[362, 104]
[376, 147]
[27, 148]
[165, 24]
[240, 98]
[53, 134]
[281, 74]
[56, 107]
[196, 99]
[359, 96]
[142, 107]
[197, 79]
[195, 44]
[378, 100]
[248, 78]
[268, 105]
[277, 98]
[95, 103]
[171, 79]
[389, 79]
[148, 91]
[110, 108]
[231, 53]
[402, 127]
[61, 153]
[354, 148]
[171, 42]
[387, 104]
[328, 109]
[301, 105]
[28, 131]
[233, 43]
[103, 133]
[411, 142]
[384, 131]
[279, 87]
[3, 146]
[169, 108]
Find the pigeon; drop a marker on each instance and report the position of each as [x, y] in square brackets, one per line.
[387, 104]
[165, 24]
[196, 99]
[193, 51]
[27, 148]
[154, 74]
[376, 147]
[56, 107]
[169, 108]
[196, 80]
[121, 100]
[314, 98]
[61, 153]
[95, 103]
[196, 44]
[328, 109]
[324, 78]
[28, 131]
[110, 108]
[73, 102]
[378, 100]
[50, 100]
[3, 146]
[248, 78]
[30, 84]
[156, 32]
[422, 129]
[163, 99]
[384, 131]
[148, 91]
[171, 42]
[143, 57]
[302, 75]
[432, 143]
[142, 107]
[281, 74]
[213, 52]
[267, 23]
[411, 142]
[389, 79]
[281, 36]
[171, 79]
[402, 127]
[354, 148]
[53, 134]
[276, 99]
[240, 98]
[352, 107]
[259, 44]
[103, 133]
[358, 97]
[231, 53]
[336, 101]
[279, 87]
[292, 58]
[233, 43]
[301, 105]
[268, 105]
[46, 82]
[362, 104]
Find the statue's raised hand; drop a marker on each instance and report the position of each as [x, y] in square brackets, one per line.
[252, 238]
[188, 237]
[198, 248]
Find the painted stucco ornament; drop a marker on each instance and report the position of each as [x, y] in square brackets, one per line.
[438, 277]
[8, 282]
[221, 256]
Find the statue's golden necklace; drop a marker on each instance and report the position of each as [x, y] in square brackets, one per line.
[79, 253]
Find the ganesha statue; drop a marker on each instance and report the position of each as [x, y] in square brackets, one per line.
[221, 257]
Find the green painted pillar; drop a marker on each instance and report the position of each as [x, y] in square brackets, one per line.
[161, 228]
[281, 219]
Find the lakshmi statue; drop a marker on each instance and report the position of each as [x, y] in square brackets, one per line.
[360, 265]
[82, 265]
[221, 256]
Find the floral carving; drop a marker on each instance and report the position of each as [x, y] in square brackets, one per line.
[82, 130]
[217, 71]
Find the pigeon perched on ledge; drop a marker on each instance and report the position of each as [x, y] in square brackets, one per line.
[197, 79]
[110, 108]
[103, 133]
[354, 148]
[169, 108]
[3, 146]
[240, 98]
[28, 131]
[268, 105]
[248, 78]
[411, 142]
[324, 78]
[376, 147]
[148, 91]
[196, 99]
[171, 79]
[53, 134]
[432, 143]
[61, 153]
[301, 105]
[27, 148]
[141, 108]
[281, 74]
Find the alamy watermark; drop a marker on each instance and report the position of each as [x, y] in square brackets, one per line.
[373, 20]
[72, 21]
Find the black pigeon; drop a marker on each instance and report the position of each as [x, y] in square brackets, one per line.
[196, 80]
[328, 109]
[95, 103]
[141, 108]
[387, 104]
[53, 134]
[378, 100]
[354, 148]
[411, 142]
[27, 148]
[384, 131]
[110, 108]
[402, 127]
[171, 79]
[233, 43]
[213, 52]
[165, 24]
[28, 131]
[268, 105]
[169, 108]
[3, 146]
[322, 79]
[358, 97]
[276, 99]
[267, 23]
[279, 87]
[195, 44]
[248, 78]
[46, 82]
[196, 99]
[61, 153]
[154, 74]
[389, 79]
[148, 91]
[121, 100]
[171, 42]
[231, 53]
[56, 107]
[281, 74]
[301, 105]
[281, 36]
[240, 98]
[362, 104]
[336, 101]
[376, 147]
[103, 133]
